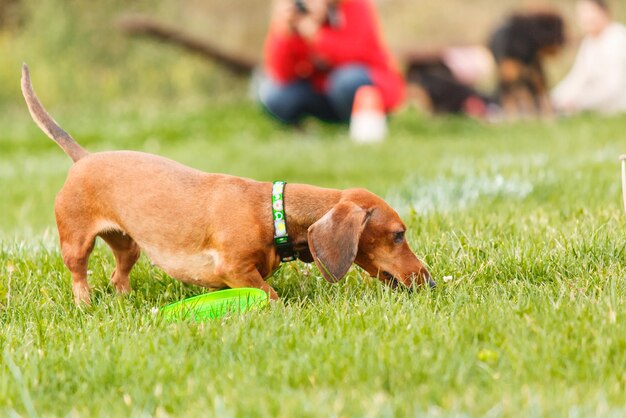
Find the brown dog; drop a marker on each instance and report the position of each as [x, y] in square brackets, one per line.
[213, 230]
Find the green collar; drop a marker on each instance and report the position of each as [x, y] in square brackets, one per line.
[283, 244]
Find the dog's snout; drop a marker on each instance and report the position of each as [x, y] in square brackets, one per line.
[420, 278]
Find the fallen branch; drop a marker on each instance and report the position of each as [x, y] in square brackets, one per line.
[141, 25]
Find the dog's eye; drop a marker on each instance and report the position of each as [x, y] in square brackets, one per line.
[398, 237]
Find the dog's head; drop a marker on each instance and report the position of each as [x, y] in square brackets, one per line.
[533, 33]
[363, 229]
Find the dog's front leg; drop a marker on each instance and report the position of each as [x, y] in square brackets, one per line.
[545, 106]
[250, 278]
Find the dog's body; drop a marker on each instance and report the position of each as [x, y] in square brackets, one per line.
[213, 230]
[519, 47]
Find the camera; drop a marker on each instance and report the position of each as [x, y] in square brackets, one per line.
[332, 16]
[301, 7]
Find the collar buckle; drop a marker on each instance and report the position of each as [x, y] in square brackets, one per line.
[284, 248]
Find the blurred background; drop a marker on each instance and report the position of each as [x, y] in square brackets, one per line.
[79, 56]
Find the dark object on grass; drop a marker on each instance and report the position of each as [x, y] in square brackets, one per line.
[444, 92]
[519, 47]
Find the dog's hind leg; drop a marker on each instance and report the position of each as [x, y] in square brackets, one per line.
[126, 252]
[76, 248]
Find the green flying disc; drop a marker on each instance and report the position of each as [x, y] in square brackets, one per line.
[215, 304]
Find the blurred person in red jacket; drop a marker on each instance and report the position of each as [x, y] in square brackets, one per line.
[318, 53]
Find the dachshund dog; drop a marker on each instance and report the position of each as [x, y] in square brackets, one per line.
[519, 47]
[213, 230]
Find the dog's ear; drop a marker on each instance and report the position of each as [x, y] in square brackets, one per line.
[334, 239]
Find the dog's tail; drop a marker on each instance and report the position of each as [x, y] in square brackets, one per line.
[45, 121]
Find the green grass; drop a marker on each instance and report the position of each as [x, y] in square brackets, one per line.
[524, 222]
[521, 226]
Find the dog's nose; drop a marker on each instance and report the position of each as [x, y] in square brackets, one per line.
[428, 279]
[420, 278]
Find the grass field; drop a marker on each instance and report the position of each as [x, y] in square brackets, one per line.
[523, 221]
[521, 226]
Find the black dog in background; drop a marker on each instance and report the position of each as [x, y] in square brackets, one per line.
[519, 47]
[439, 90]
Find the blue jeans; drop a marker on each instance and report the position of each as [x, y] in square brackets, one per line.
[290, 103]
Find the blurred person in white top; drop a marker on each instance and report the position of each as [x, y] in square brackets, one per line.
[597, 82]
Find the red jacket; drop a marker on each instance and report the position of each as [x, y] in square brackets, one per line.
[356, 40]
